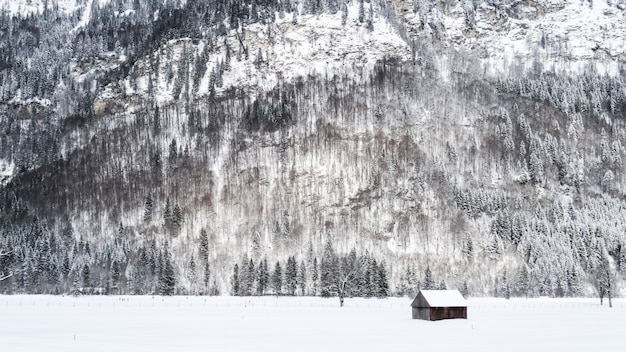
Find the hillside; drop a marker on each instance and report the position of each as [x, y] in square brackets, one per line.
[149, 147]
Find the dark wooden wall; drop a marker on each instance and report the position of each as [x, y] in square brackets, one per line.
[440, 313]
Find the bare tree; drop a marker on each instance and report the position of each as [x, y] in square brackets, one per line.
[4, 276]
[346, 280]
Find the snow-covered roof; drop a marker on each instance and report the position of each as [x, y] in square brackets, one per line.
[442, 298]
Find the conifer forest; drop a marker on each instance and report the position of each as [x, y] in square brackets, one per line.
[334, 148]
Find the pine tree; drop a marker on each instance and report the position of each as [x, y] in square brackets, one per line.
[315, 277]
[177, 217]
[429, 282]
[263, 277]
[167, 285]
[329, 271]
[115, 275]
[523, 282]
[468, 247]
[207, 276]
[86, 275]
[147, 209]
[370, 19]
[277, 279]
[504, 286]
[234, 281]
[464, 289]
[130, 283]
[250, 278]
[167, 214]
[361, 11]
[75, 291]
[192, 274]
[302, 279]
[204, 245]
[291, 276]
[66, 267]
[172, 154]
[383, 284]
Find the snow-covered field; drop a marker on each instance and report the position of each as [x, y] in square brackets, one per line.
[55, 323]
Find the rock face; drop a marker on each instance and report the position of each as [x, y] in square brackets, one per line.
[481, 142]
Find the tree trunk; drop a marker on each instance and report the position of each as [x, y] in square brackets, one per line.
[341, 293]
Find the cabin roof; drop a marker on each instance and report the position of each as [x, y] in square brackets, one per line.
[440, 298]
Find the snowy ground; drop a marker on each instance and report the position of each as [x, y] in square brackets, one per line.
[54, 323]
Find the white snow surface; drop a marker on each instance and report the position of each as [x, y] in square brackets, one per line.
[560, 35]
[25, 7]
[7, 169]
[444, 298]
[143, 323]
[318, 46]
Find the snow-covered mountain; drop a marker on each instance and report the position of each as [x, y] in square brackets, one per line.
[478, 141]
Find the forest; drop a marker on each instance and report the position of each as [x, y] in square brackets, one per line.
[164, 148]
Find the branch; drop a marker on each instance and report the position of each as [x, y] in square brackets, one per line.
[2, 278]
[11, 273]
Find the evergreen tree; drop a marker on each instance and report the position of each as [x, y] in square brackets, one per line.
[75, 291]
[192, 274]
[429, 282]
[115, 275]
[66, 267]
[302, 279]
[248, 286]
[147, 209]
[383, 284]
[361, 11]
[167, 214]
[504, 286]
[291, 276]
[167, 278]
[207, 276]
[370, 19]
[468, 247]
[172, 154]
[204, 245]
[234, 281]
[277, 279]
[315, 277]
[329, 271]
[344, 14]
[263, 277]
[523, 282]
[464, 289]
[86, 275]
[177, 217]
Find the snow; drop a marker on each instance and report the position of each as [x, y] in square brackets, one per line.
[39, 101]
[7, 169]
[317, 46]
[25, 7]
[141, 323]
[444, 298]
[575, 35]
[84, 20]
[86, 17]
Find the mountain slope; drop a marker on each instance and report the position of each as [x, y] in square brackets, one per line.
[482, 141]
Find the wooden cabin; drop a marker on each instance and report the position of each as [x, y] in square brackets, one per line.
[439, 304]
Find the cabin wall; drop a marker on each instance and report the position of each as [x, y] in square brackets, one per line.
[440, 313]
[420, 301]
[421, 313]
